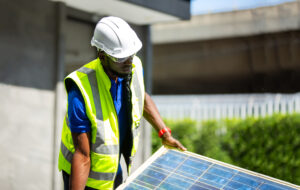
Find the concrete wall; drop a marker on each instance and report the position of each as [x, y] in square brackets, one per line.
[78, 48]
[27, 96]
[40, 42]
[278, 18]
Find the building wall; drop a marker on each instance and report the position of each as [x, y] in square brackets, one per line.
[40, 42]
[268, 62]
[27, 96]
[78, 47]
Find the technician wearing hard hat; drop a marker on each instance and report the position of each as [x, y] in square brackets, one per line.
[106, 100]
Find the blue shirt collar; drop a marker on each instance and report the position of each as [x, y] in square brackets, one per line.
[119, 80]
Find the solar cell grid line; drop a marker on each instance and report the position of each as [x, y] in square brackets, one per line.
[259, 185]
[140, 169]
[229, 180]
[172, 169]
[164, 180]
[180, 176]
[195, 184]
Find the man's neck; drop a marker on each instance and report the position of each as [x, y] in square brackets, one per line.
[111, 75]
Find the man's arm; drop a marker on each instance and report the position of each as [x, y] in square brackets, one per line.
[153, 117]
[80, 166]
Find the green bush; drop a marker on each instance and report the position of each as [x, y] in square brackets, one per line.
[209, 141]
[269, 145]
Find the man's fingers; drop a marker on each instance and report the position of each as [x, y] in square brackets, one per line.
[174, 143]
[180, 146]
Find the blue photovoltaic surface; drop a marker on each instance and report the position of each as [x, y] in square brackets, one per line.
[175, 170]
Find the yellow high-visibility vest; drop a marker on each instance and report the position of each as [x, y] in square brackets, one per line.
[94, 85]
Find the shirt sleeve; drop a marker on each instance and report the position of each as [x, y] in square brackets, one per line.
[79, 122]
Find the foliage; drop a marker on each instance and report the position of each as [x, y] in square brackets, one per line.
[269, 145]
[209, 141]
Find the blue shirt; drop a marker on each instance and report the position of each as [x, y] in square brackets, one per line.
[118, 96]
[79, 122]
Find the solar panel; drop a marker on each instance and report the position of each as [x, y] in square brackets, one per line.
[171, 169]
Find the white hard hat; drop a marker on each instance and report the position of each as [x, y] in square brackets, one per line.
[115, 37]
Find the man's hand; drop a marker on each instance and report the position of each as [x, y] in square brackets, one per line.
[152, 116]
[168, 140]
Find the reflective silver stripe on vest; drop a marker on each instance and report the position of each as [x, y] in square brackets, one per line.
[95, 175]
[138, 91]
[67, 120]
[95, 90]
[102, 176]
[99, 146]
[65, 152]
[136, 131]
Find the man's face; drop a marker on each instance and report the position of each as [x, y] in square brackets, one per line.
[120, 68]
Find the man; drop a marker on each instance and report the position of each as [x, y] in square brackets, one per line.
[106, 100]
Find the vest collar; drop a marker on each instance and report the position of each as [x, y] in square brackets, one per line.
[101, 72]
[106, 79]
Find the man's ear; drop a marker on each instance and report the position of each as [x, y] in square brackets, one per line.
[101, 55]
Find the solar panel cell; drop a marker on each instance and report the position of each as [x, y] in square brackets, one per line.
[219, 172]
[205, 185]
[178, 182]
[196, 164]
[157, 175]
[196, 187]
[147, 185]
[134, 186]
[237, 185]
[167, 163]
[192, 171]
[167, 186]
[187, 175]
[199, 160]
[181, 177]
[210, 182]
[271, 185]
[246, 180]
[148, 179]
[173, 157]
[164, 168]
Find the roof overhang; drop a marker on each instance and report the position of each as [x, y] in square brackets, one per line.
[278, 18]
[139, 12]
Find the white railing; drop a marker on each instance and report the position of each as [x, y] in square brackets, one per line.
[203, 107]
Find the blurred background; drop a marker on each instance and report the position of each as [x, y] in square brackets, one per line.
[224, 75]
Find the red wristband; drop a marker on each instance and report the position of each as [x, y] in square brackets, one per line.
[162, 131]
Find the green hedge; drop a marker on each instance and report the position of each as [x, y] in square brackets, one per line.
[269, 145]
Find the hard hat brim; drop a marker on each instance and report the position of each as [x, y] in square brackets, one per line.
[118, 53]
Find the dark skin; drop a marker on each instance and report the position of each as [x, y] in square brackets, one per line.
[81, 159]
[81, 162]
